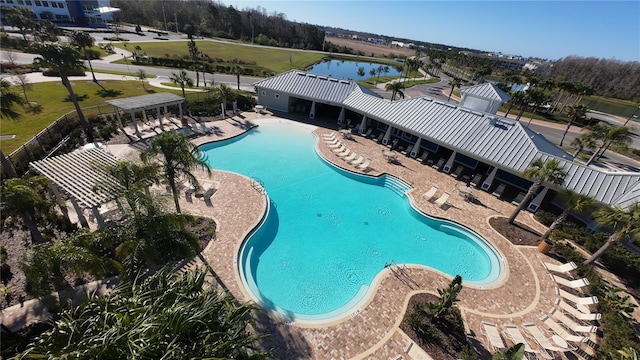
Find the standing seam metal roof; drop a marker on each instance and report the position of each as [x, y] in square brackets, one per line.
[150, 101]
[486, 91]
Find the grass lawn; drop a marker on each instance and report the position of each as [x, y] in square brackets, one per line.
[275, 60]
[51, 98]
[148, 76]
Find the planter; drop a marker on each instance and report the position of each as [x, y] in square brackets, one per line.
[545, 246]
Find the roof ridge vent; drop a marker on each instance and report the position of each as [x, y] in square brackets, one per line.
[322, 77]
[427, 98]
[450, 105]
[332, 79]
[301, 73]
[438, 102]
[344, 81]
[311, 75]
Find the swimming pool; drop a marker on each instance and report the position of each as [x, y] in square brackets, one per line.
[329, 232]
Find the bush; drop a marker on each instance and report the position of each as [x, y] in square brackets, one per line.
[544, 217]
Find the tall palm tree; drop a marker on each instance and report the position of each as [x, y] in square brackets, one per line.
[396, 88]
[584, 141]
[83, 41]
[540, 172]
[182, 79]
[64, 59]
[134, 180]
[454, 83]
[574, 202]
[575, 113]
[624, 223]
[608, 135]
[9, 100]
[360, 72]
[226, 93]
[517, 98]
[179, 157]
[165, 316]
[23, 198]
[536, 97]
[237, 70]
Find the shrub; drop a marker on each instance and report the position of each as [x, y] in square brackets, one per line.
[544, 217]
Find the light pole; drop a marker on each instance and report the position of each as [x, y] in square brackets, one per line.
[633, 116]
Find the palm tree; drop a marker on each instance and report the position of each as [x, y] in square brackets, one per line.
[448, 298]
[360, 72]
[608, 135]
[575, 113]
[372, 73]
[396, 88]
[379, 71]
[83, 41]
[226, 93]
[167, 315]
[181, 78]
[540, 172]
[134, 180]
[536, 97]
[516, 352]
[64, 59]
[574, 202]
[584, 141]
[23, 198]
[237, 70]
[8, 102]
[454, 83]
[517, 98]
[178, 157]
[142, 76]
[624, 223]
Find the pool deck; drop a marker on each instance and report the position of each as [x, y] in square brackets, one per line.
[525, 294]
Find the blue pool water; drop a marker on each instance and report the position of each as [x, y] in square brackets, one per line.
[330, 232]
[342, 69]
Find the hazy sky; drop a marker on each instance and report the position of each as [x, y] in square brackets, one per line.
[547, 29]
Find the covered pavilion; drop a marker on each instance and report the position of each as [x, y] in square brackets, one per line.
[142, 103]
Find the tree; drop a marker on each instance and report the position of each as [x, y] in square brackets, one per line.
[237, 70]
[21, 18]
[575, 113]
[372, 73]
[360, 72]
[134, 180]
[573, 202]
[540, 172]
[448, 298]
[165, 316]
[83, 41]
[142, 76]
[536, 97]
[517, 98]
[26, 85]
[454, 83]
[396, 88]
[379, 71]
[193, 52]
[8, 102]
[584, 141]
[22, 198]
[181, 78]
[608, 135]
[226, 93]
[178, 158]
[625, 223]
[516, 352]
[64, 59]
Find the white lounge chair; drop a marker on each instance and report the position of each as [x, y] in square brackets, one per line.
[351, 157]
[424, 156]
[476, 180]
[456, 173]
[563, 268]
[332, 141]
[365, 165]
[514, 334]
[589, 300]
[562, 331]
[346, 152]
[542, 340]
[431, 193]
[335, 146]
[442, 200]
[499, 190]
[493, 335]
[358, 161]
[573, 284]
[329, 136]
[571, 324]
[518, 199]
[577, 313]
[368, 133]
[339, 149]
[439, 164]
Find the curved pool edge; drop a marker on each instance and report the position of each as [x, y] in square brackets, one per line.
[366, 294]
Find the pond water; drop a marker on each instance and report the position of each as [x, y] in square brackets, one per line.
[343, 69]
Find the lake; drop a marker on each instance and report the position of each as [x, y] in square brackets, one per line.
[343, 69]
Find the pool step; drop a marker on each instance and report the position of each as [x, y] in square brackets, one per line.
[396, 185]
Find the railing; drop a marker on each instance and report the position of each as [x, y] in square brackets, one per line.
[258, 184]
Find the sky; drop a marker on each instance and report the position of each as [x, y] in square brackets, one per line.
[545, 29]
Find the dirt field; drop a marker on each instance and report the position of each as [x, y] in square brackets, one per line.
[369, 48]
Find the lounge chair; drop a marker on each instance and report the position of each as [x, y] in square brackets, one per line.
[424, 156]
[394, 143]
[431, 193]
[329, 136]
[564, 268]
[439, 164]
[209, 188]
[358, 161]
[542, 340]
[518, 199]
[335, 146]
[491, 332]
[476, 180]
[380, 137]
[345, 153]
[577, 313]
[456, 173]
[571, 324]
[514, 334]
[499, 190]
[339, 149]
[368, 133]
[589, 300]
[332, 142]
[442, 200]
[408, 151]
[351, 157]
[573, 284]
[365, 165]
[562, 331]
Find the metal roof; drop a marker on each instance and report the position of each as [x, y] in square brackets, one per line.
[495, 140]
[146, 102]
[82, 174]
[486, 91]
[311, 86]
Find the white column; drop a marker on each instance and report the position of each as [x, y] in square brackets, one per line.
[180, 109]
[144, 115]
[160, 118]
[135, 124]
[415, 149]
[447, 167]
[222, 108]
[535, 203]
[387, 136]
[98, 217]
[312, 113]
[235, 106]
[117, 111]
[341, 117]
[363, 125]
[59, 200]
[81, 218]
[486, 184]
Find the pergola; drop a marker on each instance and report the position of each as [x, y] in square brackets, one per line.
[83, 176]
[134, 104]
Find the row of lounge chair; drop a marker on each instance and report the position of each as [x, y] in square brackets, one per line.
[342, 151]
